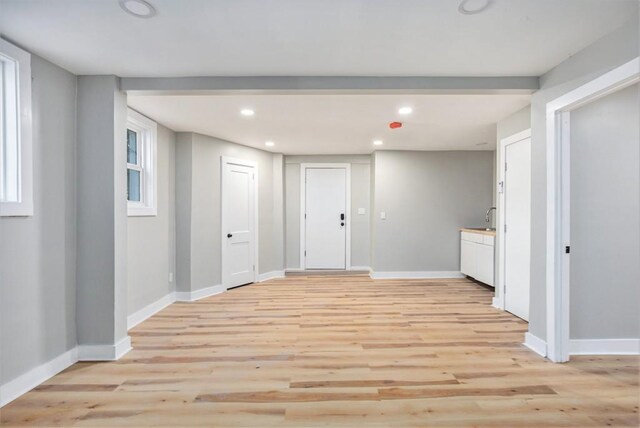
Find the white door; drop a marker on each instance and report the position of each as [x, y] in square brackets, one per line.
[325, 218]
[238, 223]
[517, 188]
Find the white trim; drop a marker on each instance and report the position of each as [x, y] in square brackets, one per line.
[303, 191]
[104, 352]
[24, 207]
[604, 347]
[36, 376]
[191, 296]
[274, 274]
[150, 310]
[499, 300]
[495, 302]
[148, 152]
[223, 248]
[558, 186]
[417, 275]
[536, 344]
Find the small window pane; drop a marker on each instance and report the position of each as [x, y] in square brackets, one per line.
[133, 185]
[132, 147]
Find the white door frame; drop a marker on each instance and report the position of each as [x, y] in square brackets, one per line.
[558, 139]
[223, 247]
[303, 191]
[499, 302]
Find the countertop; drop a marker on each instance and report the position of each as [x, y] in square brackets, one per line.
[480, 231]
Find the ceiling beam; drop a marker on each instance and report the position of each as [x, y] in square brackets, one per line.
[328, 85]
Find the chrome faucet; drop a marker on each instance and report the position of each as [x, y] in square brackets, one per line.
[486, 217]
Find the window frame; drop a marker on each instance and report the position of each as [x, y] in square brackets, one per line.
[146, 152]
[22, 114]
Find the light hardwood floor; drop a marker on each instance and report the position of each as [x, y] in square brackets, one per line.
[336, 351]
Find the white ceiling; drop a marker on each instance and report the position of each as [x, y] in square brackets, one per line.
[310, 37]
[337, 124]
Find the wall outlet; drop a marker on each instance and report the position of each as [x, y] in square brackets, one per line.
[170, 276]
[362, 211]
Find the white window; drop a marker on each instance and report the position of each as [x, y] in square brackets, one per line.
[141, 140]
[16, 164]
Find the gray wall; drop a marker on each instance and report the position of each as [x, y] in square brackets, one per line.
[360, 198]
[101, 270]
[199, 227]
[609, 52]
[37, 254]
[151, 239]
[428, 197]
[605, 218]
[517, 122]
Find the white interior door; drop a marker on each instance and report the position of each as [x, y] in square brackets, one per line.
[325, 218]
[517, 188]
[238, 224]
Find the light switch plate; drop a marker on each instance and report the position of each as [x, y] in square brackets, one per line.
[362, 211]
[383, 215]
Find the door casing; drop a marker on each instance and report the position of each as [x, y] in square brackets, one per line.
[223, 248]
[303, 200]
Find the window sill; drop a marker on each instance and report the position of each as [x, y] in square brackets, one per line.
[142, 211]
[16, 209]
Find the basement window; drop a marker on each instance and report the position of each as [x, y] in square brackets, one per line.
[16, 164]
[141, 140]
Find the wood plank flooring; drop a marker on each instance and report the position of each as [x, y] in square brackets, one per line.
[336, 351]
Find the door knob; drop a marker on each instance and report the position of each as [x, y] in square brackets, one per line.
[229, 235]
[341, 224]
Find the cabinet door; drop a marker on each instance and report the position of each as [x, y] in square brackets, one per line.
[468, 258]
[484, 269]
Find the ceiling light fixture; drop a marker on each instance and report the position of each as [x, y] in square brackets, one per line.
[377, 142]
[269, 144]
[405, 110]
[247, 112]
[472, 7]
[138, 8]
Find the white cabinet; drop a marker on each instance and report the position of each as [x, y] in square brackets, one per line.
[477, 256]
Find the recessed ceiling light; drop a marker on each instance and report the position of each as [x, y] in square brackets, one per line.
[269, 144]
[405, 110]
[472, 7]
[377, 142]
[247, 112]
[138, 8]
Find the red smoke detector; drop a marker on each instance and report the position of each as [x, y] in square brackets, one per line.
[395, 125]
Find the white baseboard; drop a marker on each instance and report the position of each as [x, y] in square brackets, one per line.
[150, 310]
[536, 344]
[604, 347]
[495, 302]
[190, 296]
[37, 375]
[416, 275]
[104, 352]
[271, 275]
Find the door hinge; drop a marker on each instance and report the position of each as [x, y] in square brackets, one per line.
[254, 268]
[505, 166]
[305, 253]
[505, 228]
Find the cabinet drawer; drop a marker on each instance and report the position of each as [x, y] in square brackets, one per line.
[488, 240]
[472, 237]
